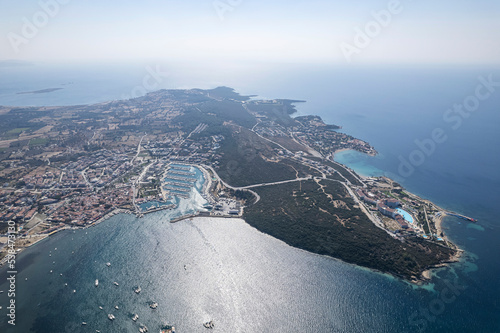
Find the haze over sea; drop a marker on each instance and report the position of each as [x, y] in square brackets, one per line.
[245, 280]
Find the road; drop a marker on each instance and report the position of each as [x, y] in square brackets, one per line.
[257, 196]
[86, 180]
[374, 219]
[330, 159]
[274, 183]
[138, 149]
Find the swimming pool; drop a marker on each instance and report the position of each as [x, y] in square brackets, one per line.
[405, 215]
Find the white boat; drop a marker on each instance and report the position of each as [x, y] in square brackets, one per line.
[209, 324]
[137, 290]
[96, 282]
[135, 317]
[116, 283]
[116, 307]
[111, 317]
[108, 264]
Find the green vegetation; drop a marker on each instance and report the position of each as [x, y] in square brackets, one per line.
[38, 141]
[302, 215]
[19, 119]
[280, 113]
[225, 92]
[242, 162]
[17, 130]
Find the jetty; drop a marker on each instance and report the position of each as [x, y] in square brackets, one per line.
[180, 167]
[181, 173]
[183, 178]
[470, 219]
[180, 189]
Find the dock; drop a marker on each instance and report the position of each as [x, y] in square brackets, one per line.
[181, 173]
[180, 189]
[470, 219]
[183, 178]
[180, 167]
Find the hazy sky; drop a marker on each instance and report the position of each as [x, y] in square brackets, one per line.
[423, 31]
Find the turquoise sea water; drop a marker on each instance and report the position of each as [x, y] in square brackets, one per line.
[241, 277]
[359, 162]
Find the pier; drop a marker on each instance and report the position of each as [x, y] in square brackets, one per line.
[181, 173]
[153, 209]
[168, 187]
[180, 167]
[470, 219]
[186, 179]
[179, 195]
[179, 184]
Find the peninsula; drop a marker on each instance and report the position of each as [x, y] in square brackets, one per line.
[72, 166]
[42, 91]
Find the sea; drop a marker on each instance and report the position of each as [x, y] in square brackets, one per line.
[436, 130]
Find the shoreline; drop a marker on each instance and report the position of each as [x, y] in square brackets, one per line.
[426, 275]
[341, 150]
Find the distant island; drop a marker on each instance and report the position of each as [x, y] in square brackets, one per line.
[73, 166]
[42, 91]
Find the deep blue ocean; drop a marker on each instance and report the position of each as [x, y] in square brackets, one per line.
[247, 281]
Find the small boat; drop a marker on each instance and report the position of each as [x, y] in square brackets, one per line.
[137, 290]
[111, 317]
[96, 282]
[116, 283]
[167, 329]
[209, 324]
[84, 323]
[50, 271]
[65, 284]
[143, 329]
[74, 291]
[108, 264]
[100, 307]
[135, 317]
[116, 307]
